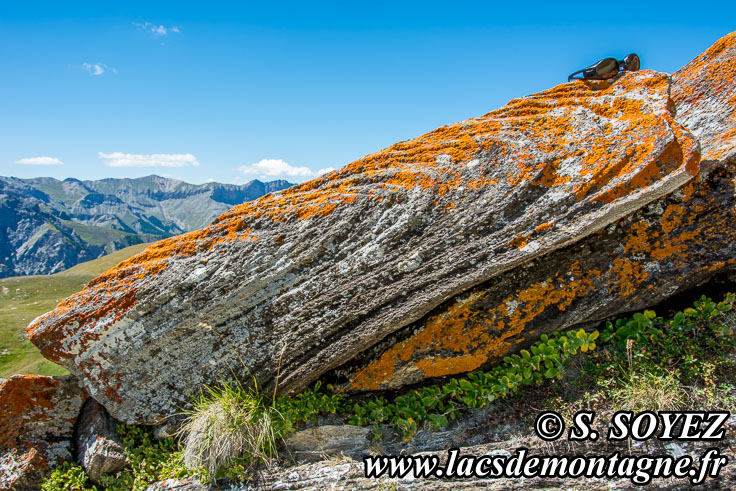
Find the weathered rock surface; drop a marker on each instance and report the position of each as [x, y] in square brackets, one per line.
[704, 92]
[98, 447]
[37, 416]
[350, 474]
[192, 484]
[328, 440]
[319, 273]
[498, 429]
[672, 244]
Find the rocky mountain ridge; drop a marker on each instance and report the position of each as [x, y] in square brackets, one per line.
[50, 225]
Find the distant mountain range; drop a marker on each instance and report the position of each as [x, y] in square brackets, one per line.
[47, 225]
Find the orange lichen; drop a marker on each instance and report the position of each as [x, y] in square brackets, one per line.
[519, 241]
[706, 85]
[670, 158]
[638, 238]
[438, 366]
[473, 336]
[671, 218]
[24, 399]
[430, 161]
[628, 276]
[544, 226]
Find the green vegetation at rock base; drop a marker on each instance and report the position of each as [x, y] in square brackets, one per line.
[645, 362]
[150, 459]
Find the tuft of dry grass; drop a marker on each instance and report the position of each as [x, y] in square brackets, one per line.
[230, 425]
[649, 391]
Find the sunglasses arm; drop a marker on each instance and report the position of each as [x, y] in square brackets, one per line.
[585, 74]
[573, 76]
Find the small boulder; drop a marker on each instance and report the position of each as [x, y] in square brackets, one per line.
[316, 442]
[98, 447]
[25, 466]
[37, 416]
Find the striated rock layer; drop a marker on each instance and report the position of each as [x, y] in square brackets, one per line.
[309, 278]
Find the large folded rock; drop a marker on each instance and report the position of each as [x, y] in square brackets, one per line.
[37, 416]
[301, 282]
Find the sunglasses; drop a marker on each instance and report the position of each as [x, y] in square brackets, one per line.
[607, 68]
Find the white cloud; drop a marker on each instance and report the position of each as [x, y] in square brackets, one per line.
[118, 159]
[97, 68]
[324, 171]
[39, 161]
[156, 30]
[275, 168]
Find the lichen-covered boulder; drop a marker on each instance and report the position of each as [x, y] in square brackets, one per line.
[305, 280]
[674, 243]
[667, 247]
[37, 416]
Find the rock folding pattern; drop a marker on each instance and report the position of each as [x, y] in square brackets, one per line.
[433, 257]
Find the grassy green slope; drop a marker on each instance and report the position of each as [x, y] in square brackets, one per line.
[25, 297]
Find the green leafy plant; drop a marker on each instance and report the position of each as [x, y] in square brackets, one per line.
[150, 460]
[67, 476]
[682, 361]
[436, 405]
[642, 328]
[310, 403]
[678, 342]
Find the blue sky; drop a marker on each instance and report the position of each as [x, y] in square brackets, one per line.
[231, 91]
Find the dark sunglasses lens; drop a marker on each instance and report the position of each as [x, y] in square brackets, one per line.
[631, 62]
[607, 68]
